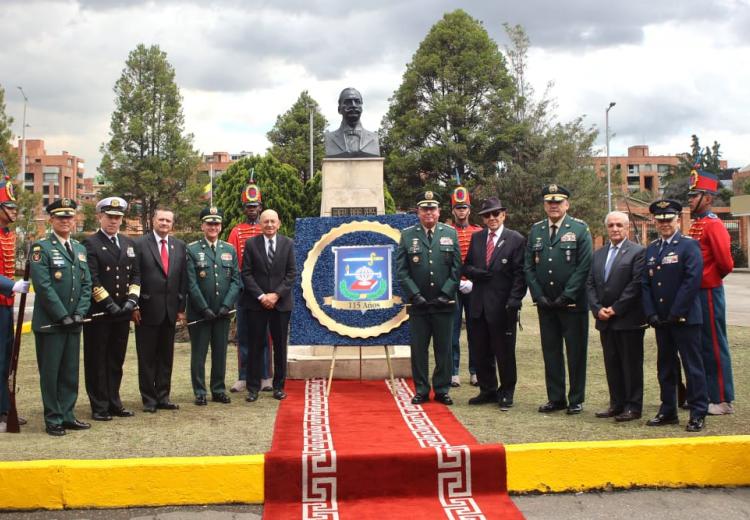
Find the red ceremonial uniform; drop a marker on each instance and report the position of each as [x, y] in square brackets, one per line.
[239, 235]
[714, 240]
[464, 237]
[8, 266]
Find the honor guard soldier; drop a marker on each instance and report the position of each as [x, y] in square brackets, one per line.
[461, 210]
[557, 263]
[252, 206]
[713, 238]
[8, 287]
[62, 283]
[116, 282]
[213, 289]
[428, 260]
[671, 283]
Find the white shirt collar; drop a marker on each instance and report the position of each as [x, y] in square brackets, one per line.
[498, 232]
[62, 241]
[159, 239]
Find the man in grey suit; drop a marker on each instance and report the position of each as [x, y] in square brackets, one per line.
[351, 140]
[614, 295]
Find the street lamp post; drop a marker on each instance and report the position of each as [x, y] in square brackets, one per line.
[609, 174]
[22, 169]
[312, 158]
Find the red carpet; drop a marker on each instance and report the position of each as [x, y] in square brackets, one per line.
[365, 454]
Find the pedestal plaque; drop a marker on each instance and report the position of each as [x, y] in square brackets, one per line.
[352, 187]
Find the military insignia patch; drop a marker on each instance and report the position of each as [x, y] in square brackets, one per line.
[553, 188]
[663, 204]
[202, 274]
[36, 256]
[415, 259]
[58, 275]
[82, 257]
[568, 237]
[429, 195]
[226, 256]
[446, 241]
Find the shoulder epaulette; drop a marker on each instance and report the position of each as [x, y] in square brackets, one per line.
[711, 214]
[654, 241]
[579, 221]
[538, 223]
[193, 243]
[410, 227]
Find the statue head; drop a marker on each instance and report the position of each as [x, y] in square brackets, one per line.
[350, 105]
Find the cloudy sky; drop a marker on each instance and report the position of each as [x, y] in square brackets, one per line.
[674, 67]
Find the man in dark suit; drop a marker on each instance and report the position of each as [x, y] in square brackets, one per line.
[671, 284]
[494, 264]
[161, 260]
[268, 275]
[116, 282]
[614, 295]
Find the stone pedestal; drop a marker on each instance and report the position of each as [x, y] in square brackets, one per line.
[352, 187]
[306, 362]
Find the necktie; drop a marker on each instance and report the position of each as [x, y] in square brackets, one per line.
[164, 256]
[69, 250]
[429, 236]
[490, 247]
[213, 248]
[552, 235]
[610, 260]
[114, 242]
[271, 251]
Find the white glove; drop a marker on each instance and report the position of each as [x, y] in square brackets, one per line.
[465, 286]
[21, 286]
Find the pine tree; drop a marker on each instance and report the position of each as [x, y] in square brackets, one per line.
[9, 158]
[451, 112]
[149, 159]
[290, 136]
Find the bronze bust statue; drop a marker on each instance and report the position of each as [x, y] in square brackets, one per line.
[351, 140]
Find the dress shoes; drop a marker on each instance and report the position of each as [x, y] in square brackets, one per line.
[574, 409]
[505, 403]
[168, 406]
[627, 415]
[549, 406]
[55, 430]
[483, 398]
[662, 420]
[200, 400]
[444, 398]
[239, 386]
[122, 412]
[695, 424]
[220, 398]
[75, 424]
[252, 396]
[97, 416]
[279, 395]
[149, 409]
[420, 399]
[606, 414]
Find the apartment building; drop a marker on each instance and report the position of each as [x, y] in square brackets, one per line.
[217, 163]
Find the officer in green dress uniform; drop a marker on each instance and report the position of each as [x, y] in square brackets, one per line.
[62, 283]
[428, 260]
[557, 263]
[213, 289]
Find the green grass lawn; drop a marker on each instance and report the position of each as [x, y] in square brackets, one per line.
[241, 428]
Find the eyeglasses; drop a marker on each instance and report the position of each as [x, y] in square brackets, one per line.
[492, 214]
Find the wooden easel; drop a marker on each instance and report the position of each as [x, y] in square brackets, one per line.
[392, 386]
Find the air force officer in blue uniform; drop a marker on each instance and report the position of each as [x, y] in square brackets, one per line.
[671, 284]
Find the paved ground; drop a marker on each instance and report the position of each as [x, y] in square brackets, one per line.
[705, 504]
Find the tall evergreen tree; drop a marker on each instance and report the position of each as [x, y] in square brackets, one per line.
[10, 159]
[541, 151]
[149, 159]
[451, 112]
[708, 159]
[290, 136]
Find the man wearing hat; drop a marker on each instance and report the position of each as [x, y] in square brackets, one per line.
[671, 283]
[213, 287]
[461, 209]
[60, 274]
[116, 282]
[428, 260]
[252, 206]
[495, 265]
[557, 263]
[714, 241]
[8, 287]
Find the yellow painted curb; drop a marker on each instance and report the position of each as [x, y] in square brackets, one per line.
[58, 484]
[26, 327]
[580, 466]
[545, 467]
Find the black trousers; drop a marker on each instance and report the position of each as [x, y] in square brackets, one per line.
[623, 364]
[493, 344]
[260, 322]
[685, 340]
[104, 347]
[155, 347]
